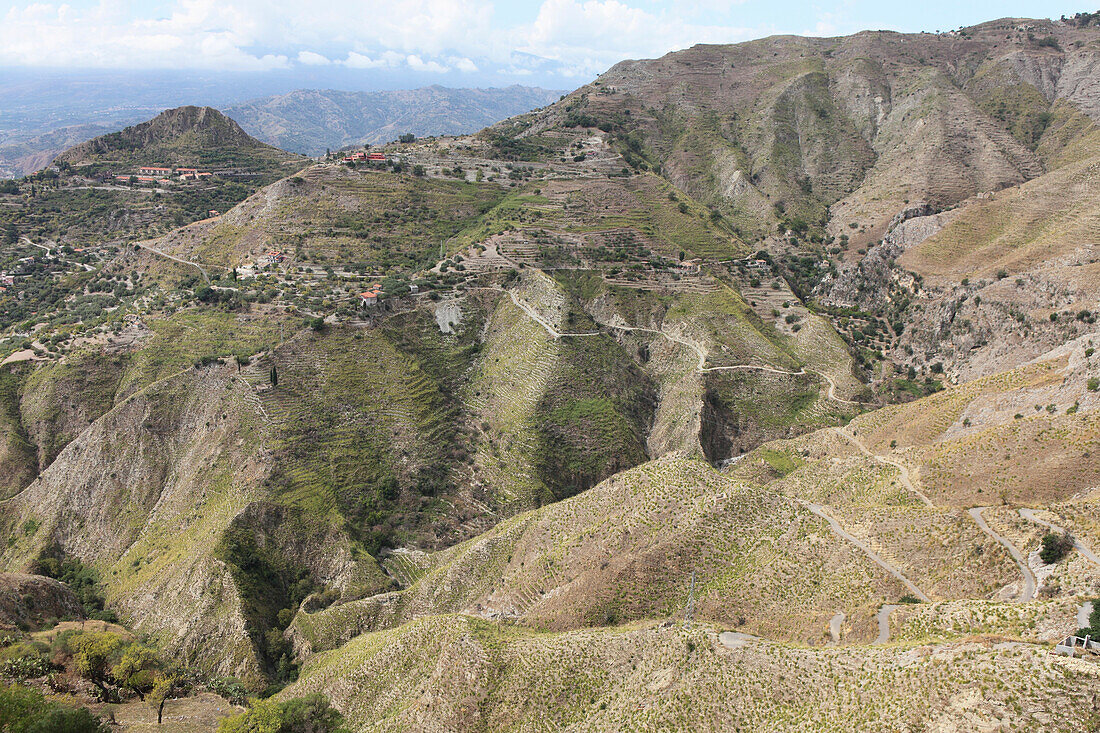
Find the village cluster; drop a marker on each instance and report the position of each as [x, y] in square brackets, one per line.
[157, 174]
[363, 156]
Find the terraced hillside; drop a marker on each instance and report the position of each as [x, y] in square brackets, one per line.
[753, 387]
[806, 551]
[669, 679]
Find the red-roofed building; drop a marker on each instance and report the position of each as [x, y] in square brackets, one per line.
[370, 297]
[148, 170]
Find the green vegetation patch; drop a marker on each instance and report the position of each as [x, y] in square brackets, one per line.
[780, 461]
[18, 455]
[595, 415]
[198, 333]
[271, 588]
[366, 435]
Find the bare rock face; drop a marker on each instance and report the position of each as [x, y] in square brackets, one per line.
[871, 280]
[34, 600]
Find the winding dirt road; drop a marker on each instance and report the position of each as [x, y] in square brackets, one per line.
[906, 479]
[1029, 515]
[819, 510]
[883, 618]
[699, 351]
[1029, 589]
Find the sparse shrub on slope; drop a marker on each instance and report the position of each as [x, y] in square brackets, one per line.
[84, 581]
[309, 714]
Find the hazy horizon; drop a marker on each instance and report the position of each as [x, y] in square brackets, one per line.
[554, 44]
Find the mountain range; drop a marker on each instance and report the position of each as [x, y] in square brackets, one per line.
[302, 121]
[753, 387]
[310, 121]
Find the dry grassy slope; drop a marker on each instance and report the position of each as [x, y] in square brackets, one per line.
[1015, 435]
[626, 550]
[979, 444]
[863, 123]
[1042, 227]
[940, 549]
[454, 673]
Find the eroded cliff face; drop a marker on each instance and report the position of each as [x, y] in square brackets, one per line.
[146, 494]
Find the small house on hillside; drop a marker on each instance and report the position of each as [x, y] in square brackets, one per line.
[370, 297]
[148, 170]
[269, 258]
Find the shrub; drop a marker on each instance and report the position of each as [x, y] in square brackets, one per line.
[23, 710]
[309, 714]
[1055, 546]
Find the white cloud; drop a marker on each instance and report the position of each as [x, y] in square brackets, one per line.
[568, 37]
[309, 58]
[359, 61]
[590, 35]
[418, 64]
[462, 64]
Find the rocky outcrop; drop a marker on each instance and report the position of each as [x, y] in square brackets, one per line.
[31, 601]
[875, 278]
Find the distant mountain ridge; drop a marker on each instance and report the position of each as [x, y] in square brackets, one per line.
[310, 120]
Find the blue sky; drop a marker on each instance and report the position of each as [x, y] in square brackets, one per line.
[556, 43]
